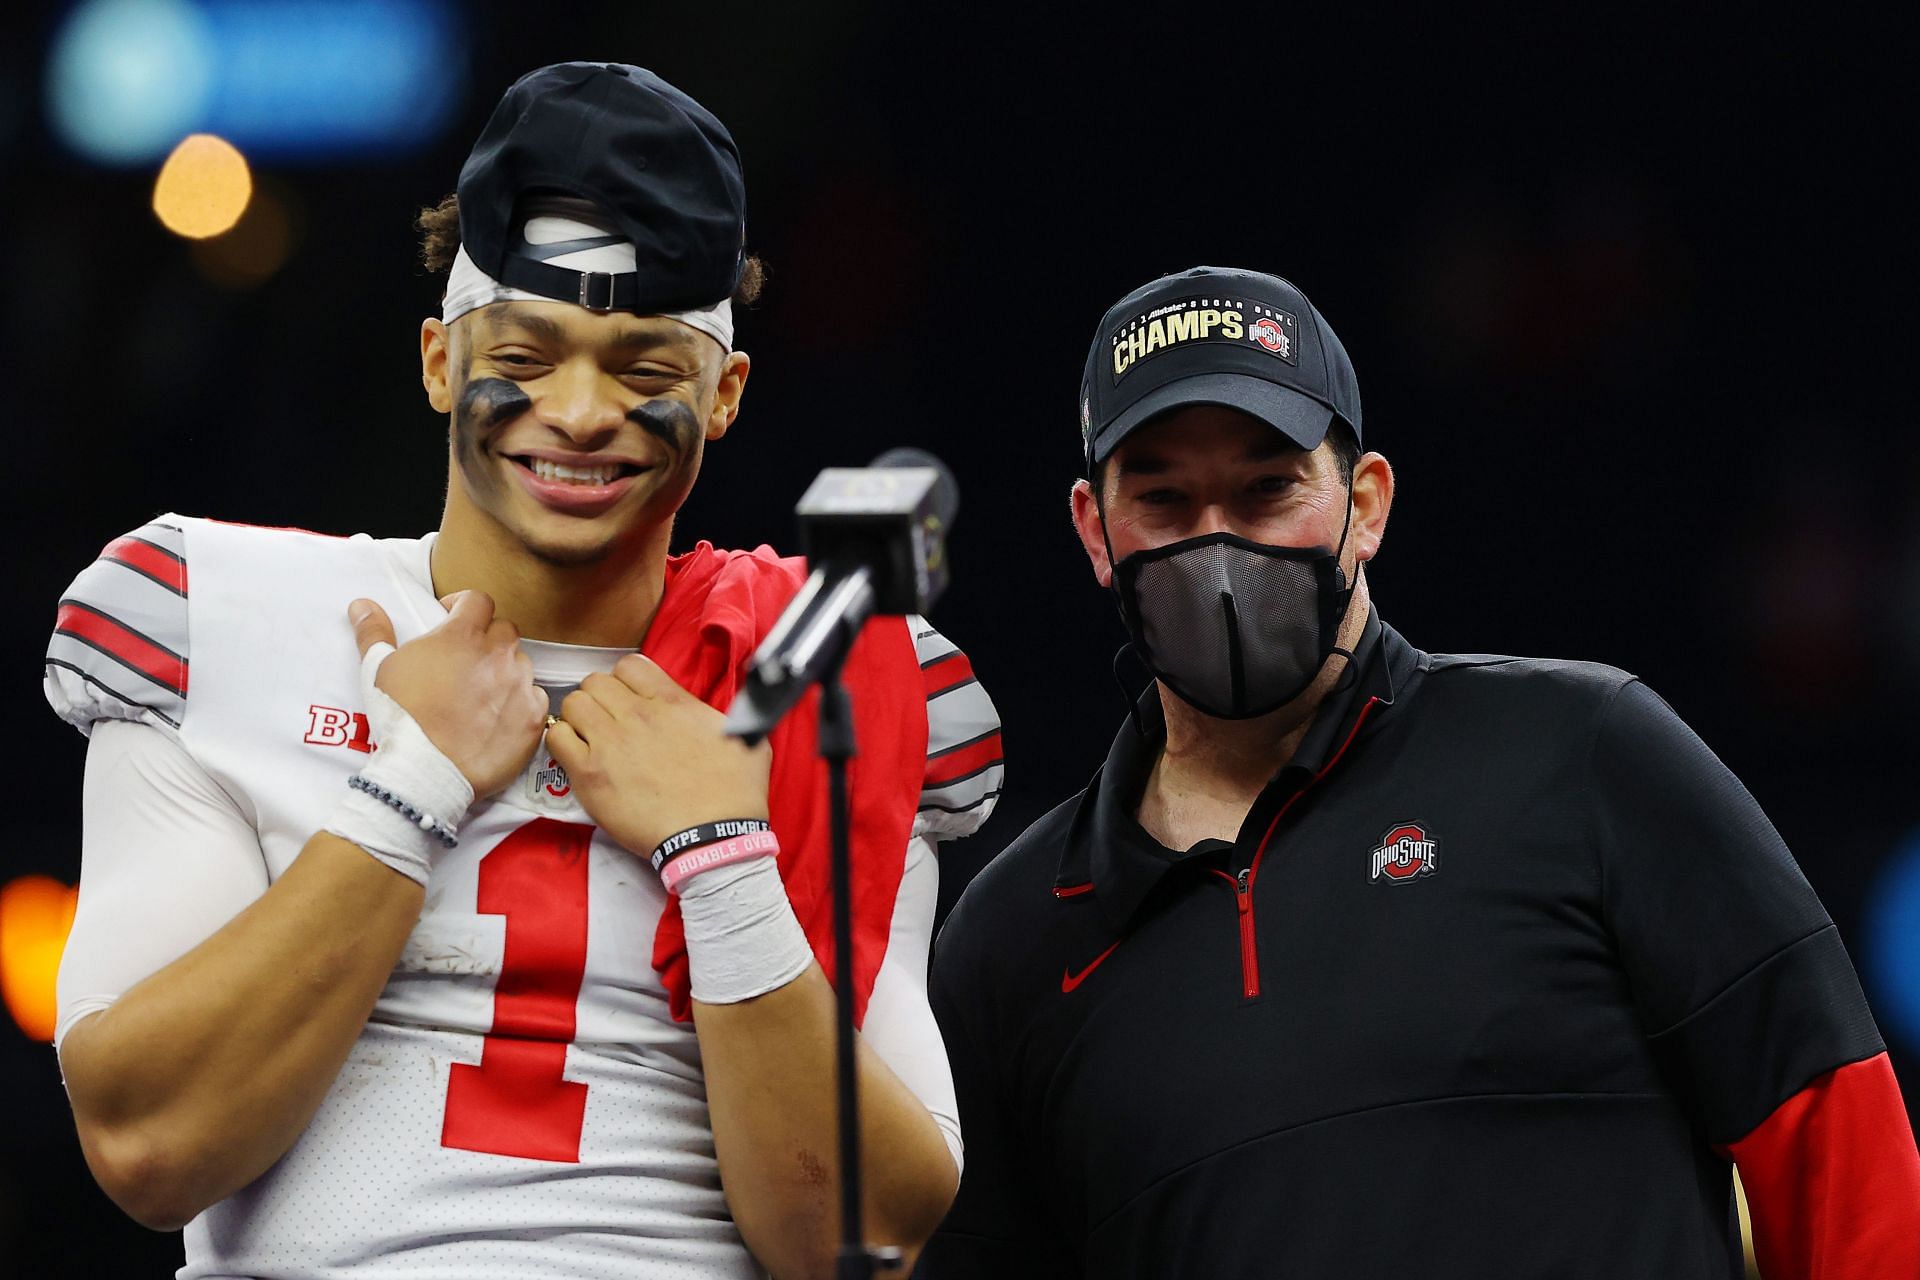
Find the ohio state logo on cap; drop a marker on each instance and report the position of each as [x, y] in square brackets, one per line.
[1405, 853]
[1267, 332]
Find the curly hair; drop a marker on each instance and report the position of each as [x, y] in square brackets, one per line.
[439, 227]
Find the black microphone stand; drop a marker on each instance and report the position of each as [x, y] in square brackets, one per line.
[856, 1260]
[876, 537]
[753, 717]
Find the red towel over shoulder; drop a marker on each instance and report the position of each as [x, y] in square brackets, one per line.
[717, 607]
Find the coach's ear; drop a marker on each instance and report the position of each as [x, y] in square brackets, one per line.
[433, 364]
[1086, 522]
[1372, 488]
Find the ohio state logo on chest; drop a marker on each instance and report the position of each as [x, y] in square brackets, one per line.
[1405, 852]
[552, 779]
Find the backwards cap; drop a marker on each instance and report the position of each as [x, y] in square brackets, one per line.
[645, 180]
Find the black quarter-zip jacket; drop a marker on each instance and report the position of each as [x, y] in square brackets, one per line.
[1494, 964]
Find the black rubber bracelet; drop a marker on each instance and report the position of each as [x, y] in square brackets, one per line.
[706, 833]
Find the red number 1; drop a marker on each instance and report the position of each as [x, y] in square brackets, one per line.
[515, 1103]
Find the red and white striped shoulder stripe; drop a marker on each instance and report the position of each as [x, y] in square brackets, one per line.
[121, 627]
[965, 757]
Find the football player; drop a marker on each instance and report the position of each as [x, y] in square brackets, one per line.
[429, 924]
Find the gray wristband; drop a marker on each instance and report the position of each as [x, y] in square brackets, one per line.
[433, 826]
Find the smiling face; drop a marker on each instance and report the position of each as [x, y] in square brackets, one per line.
[577, 432]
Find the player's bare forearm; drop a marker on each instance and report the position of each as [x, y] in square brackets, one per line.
[647, 759]
[769, 1064]
[196, 1080]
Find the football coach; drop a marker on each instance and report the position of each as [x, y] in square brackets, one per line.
[1355, 960]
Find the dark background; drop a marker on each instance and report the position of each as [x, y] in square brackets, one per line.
[1628, 301]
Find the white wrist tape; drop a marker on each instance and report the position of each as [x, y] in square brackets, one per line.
[743, 939]
[405, 764]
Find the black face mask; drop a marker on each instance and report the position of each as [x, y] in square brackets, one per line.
[1236, 628]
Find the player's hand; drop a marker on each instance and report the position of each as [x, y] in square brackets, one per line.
[466, 684]
[647, 759]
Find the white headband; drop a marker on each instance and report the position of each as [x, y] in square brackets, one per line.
[569, 233]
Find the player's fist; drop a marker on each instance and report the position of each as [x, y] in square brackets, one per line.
[647, 759]
[465, 683]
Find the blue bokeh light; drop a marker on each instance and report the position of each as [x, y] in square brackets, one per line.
[129, 78]
[1892, 950]
[291, 80]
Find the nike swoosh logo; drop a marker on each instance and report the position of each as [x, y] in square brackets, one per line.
[1069, 980]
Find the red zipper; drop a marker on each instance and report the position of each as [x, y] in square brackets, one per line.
[1249, 951]
[1249, 954]
[1243, 895]
[1243, 883]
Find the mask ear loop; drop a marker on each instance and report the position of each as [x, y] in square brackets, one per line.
[1346, 525]
[1128, 698]
[1113, 565]
[1348, 671]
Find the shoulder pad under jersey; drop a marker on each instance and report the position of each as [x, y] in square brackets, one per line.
[119, 646]
[964, 756]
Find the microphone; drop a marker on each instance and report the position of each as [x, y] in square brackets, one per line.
[876, 538]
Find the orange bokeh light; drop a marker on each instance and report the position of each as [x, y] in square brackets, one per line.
[203, 188]
[35, 914]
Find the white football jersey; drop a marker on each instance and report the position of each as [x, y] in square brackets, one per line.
[521, 1102]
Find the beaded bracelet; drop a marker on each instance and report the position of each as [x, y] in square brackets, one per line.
[756, 844]
[425, 821]
[706, 833]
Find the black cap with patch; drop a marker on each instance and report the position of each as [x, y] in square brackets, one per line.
[658, 163]
[1215, 335]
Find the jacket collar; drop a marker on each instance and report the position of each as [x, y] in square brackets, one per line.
[1110, 855]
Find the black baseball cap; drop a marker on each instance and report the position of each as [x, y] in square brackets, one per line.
[660, 165]
[1216, 335]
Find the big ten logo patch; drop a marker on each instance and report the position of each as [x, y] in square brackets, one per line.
[335, 727]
